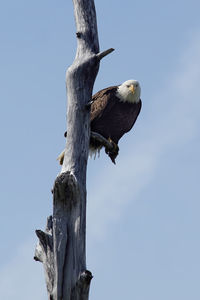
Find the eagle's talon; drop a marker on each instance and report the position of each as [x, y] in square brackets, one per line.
[114, 145]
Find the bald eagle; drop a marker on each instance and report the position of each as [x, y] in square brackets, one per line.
[114, 111]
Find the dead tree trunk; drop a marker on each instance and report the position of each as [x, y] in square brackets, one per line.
[61, 247]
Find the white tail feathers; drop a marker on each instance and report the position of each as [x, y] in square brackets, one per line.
[94, 152]
[61, 157]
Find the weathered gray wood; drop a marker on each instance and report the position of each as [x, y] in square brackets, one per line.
[61, 247]
[44, 254]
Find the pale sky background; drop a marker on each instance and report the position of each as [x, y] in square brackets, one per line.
[143, 228]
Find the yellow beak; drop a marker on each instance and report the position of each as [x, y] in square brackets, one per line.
[132, 89]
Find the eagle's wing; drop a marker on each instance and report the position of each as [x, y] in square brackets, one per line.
[102, 102]
[124, 117]
[132, 116]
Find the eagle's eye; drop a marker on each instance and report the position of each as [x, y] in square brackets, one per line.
[128, 86]
[136, 85]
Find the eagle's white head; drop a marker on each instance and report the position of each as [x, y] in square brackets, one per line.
[129, 91]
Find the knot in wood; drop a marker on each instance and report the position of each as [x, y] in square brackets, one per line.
[86, 276]
[66, 189]
[78, 34]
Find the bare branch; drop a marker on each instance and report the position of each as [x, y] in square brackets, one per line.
[104, 53]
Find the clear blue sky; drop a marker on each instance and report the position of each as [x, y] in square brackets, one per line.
[143, 229]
